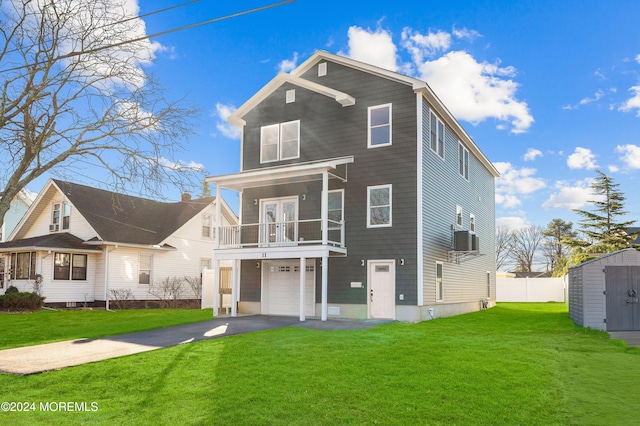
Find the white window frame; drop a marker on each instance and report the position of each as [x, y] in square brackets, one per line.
[390, 206]
[458, 216]
[290, 96]
[488, 285]
[322, 69]
[472, 223]
[206, 225]
[279, 142]
[439, 281]
[436, 135]
[370, 127]
[463, 161]
[333, 226]
[65, 215]
[150, 269]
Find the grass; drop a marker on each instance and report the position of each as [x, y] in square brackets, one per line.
[523, 364]
[46, 326]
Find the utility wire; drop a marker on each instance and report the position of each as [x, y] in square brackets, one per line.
[185, 27]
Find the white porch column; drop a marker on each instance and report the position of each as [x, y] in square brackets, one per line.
[325, 278]
[218, 222]
[324, 208]
[303, 285]
[234, 288]
[216, 286]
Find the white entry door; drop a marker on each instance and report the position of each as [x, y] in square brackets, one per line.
[382, 289]
[279, 220]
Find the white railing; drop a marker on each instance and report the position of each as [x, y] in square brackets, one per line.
[278, 234]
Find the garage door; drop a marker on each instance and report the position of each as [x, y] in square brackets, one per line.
[281, 288]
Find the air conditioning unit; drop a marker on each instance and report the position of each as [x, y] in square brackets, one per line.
[462, 241]
[54, 227]
[475, 243]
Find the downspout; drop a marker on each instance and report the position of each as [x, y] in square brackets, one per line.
[106, 278]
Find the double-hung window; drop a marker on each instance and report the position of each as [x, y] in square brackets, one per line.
[437, 135]
[439, 281]
[206, 225]
[280, 141]
[67, 266]
[61, 216]
[379, 206]
[145, 262]
[379, 126]
[463, 161]
[458, 215]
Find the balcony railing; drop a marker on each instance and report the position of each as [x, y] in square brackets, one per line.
[280, 234]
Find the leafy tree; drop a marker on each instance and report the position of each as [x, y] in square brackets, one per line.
[553, 248]
[74, 96]
[602, 229]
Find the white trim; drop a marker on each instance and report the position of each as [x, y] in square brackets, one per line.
[369, 128]
[459, 215]
[384, 225]
[441, 299]
[420, 200]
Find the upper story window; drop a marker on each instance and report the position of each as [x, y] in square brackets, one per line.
[206, 225]
[60, 216]
[437, 135]
[472, 222]
[379, 126]
[458, 215]
[379, 206]
[280, 141]
[336, 208]
[463, 161]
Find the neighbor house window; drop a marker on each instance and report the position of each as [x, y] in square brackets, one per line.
[379, 206]
[68, 266]
[437, 135]
[144, 268]
[439, 282]
[60, 216]
[463, 161]
[379, 126]
[55, 217]
[280, 141]
[472, 222]
[336, 208]
[205, 263]
[458, 215]
[23, 265]
[66, 215]
[206, 225]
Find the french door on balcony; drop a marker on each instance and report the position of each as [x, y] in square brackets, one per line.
[278, 221]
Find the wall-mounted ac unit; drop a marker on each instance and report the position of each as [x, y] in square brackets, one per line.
[54, 227]
[475, 243]
[462, 241]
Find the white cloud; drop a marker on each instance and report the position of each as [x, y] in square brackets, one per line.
[288, 64]
[570, 196]
[597, 96]
[425, 45]
[514, 182]
[372, 47]
[180, 165]
[582, 158]
[227, 129]
[630, 155]
[465, 33]
[532, 154]
[475, 91]
[613, 168]
[638, 58]
[633, 102]
[511, 222]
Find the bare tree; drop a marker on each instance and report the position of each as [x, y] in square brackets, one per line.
[74, 95]
[503, 246]
[524, 246]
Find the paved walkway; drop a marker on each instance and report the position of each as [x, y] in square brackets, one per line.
[54, 356]
[631, 337]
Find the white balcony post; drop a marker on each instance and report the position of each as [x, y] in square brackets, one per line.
[234, 288]
[216, 286]
[325, 279]
[303, 285]
[218, 223]
[324, 212]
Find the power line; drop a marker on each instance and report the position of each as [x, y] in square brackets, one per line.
[135, 40]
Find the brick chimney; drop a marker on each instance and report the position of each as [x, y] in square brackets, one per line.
[186, 197]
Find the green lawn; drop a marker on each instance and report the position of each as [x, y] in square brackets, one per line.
[516, 364]
[24, 329]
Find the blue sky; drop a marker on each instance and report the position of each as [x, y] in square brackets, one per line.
[549, 90]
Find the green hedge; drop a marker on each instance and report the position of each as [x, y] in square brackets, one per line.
[12, 301]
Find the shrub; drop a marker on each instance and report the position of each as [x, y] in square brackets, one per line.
[12, 289]
[120, 296]
[17, 301]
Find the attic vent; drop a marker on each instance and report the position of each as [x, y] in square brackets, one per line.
[322, 69]
[291, 96]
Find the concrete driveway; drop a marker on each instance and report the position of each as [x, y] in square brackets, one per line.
[631, 337]
[54, 356]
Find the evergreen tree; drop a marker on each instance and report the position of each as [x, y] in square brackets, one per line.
[602, 229]
[553, 247]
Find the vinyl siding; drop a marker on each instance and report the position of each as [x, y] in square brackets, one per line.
[443, 188]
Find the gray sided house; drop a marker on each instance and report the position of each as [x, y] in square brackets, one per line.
[360, 196]
[603, 292]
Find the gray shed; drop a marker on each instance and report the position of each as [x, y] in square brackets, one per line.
[603, 292]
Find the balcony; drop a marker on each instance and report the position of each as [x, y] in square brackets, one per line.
[281, 234]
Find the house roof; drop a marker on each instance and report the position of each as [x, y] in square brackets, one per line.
[118, 218]
[344, 99]
[49, 242]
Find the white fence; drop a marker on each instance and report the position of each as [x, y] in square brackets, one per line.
[531, 289]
